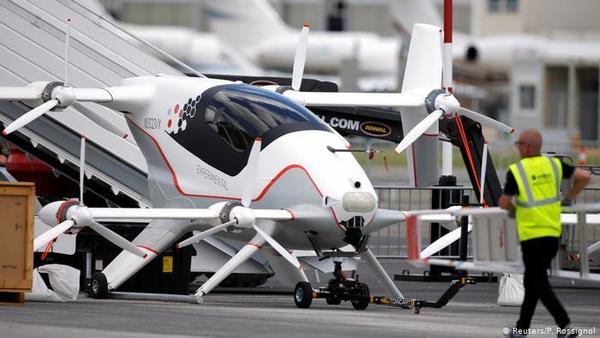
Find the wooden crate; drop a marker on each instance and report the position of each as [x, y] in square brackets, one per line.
[16, 239]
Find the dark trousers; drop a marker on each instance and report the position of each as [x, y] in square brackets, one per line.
[537, 256]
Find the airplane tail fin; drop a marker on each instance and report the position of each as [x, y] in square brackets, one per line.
[244, 23]
[423, 69]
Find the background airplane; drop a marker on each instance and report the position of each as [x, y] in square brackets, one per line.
[494, 52]
[258, 32]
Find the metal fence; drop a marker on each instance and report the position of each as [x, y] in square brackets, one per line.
[391, 241]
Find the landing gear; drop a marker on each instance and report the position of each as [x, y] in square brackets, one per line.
[303, 295]
[339, 288]
[98, 286]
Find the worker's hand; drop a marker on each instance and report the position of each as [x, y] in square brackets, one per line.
[566, 202]
[512, 213]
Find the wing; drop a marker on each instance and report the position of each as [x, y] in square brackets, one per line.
[112, 214]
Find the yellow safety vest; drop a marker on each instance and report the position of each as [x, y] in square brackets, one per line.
[538, 201]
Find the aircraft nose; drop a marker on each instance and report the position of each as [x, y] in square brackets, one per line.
[358, 201]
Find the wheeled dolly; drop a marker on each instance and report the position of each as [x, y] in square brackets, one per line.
[339, 288]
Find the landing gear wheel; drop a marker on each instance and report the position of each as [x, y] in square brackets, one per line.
[362, 303]
[303, 295]
[333, 301]
[98, 286]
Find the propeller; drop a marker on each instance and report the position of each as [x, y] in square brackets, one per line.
[62, 96]
[280, 249]
[81, 169]
[207, 233]
[422, 61]
[300, 58]
[30, 116]
[442, 242]
[79, 216]
[253, 160]
[243, 216]
[51, 234]
[418, 130]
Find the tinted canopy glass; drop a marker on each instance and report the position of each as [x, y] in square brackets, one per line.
[241, 113]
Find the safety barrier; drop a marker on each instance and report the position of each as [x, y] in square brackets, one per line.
[391, 241]
[496, 243]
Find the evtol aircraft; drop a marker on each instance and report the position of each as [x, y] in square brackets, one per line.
[245, 163]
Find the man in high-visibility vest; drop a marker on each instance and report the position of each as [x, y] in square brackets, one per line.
[534, 182]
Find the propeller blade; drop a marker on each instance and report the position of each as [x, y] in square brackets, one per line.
[207, 233]
[116, 239]
[300, 58]
[30, 116]
[442, 242]
[418, 130]
[81, 169]
[67, 43]
[51, 234]
[486, 121]
[251, 173]
[281, 250]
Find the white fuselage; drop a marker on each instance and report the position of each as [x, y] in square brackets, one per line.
[296, 171]
[328, 50]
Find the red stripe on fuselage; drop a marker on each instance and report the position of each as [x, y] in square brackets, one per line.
[260, 196]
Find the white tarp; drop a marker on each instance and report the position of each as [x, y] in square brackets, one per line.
[64, 281]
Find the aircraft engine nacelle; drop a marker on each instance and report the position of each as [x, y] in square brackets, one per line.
[55, 213]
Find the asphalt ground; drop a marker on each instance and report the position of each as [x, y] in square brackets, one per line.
[268, 311]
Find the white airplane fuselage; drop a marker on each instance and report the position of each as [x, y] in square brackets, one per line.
[327, 51]
[296, 171]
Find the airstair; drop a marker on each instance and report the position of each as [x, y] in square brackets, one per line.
[32, 48]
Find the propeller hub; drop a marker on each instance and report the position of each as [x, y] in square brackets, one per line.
[64, 95]
[81, 215]
[447, 103]
[244, 216]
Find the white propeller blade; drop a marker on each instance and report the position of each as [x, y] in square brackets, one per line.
[442, 242]
[51, 234]
[116, 239]
[300, 58]
[81, 169]
[30, 116]
[67, 43]
[207, 233]
[418, 130]
[251, 173]
[486, 121]
[281, 250]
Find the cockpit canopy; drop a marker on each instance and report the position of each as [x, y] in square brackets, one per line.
[222, 124]
[241, 113]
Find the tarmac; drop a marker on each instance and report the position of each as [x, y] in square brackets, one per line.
[267, 311]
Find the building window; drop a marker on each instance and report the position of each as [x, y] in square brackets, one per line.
[512, 6]
[503, 6]
[493, 6]
[527, 96]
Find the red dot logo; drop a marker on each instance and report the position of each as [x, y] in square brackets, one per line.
[169, 123]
